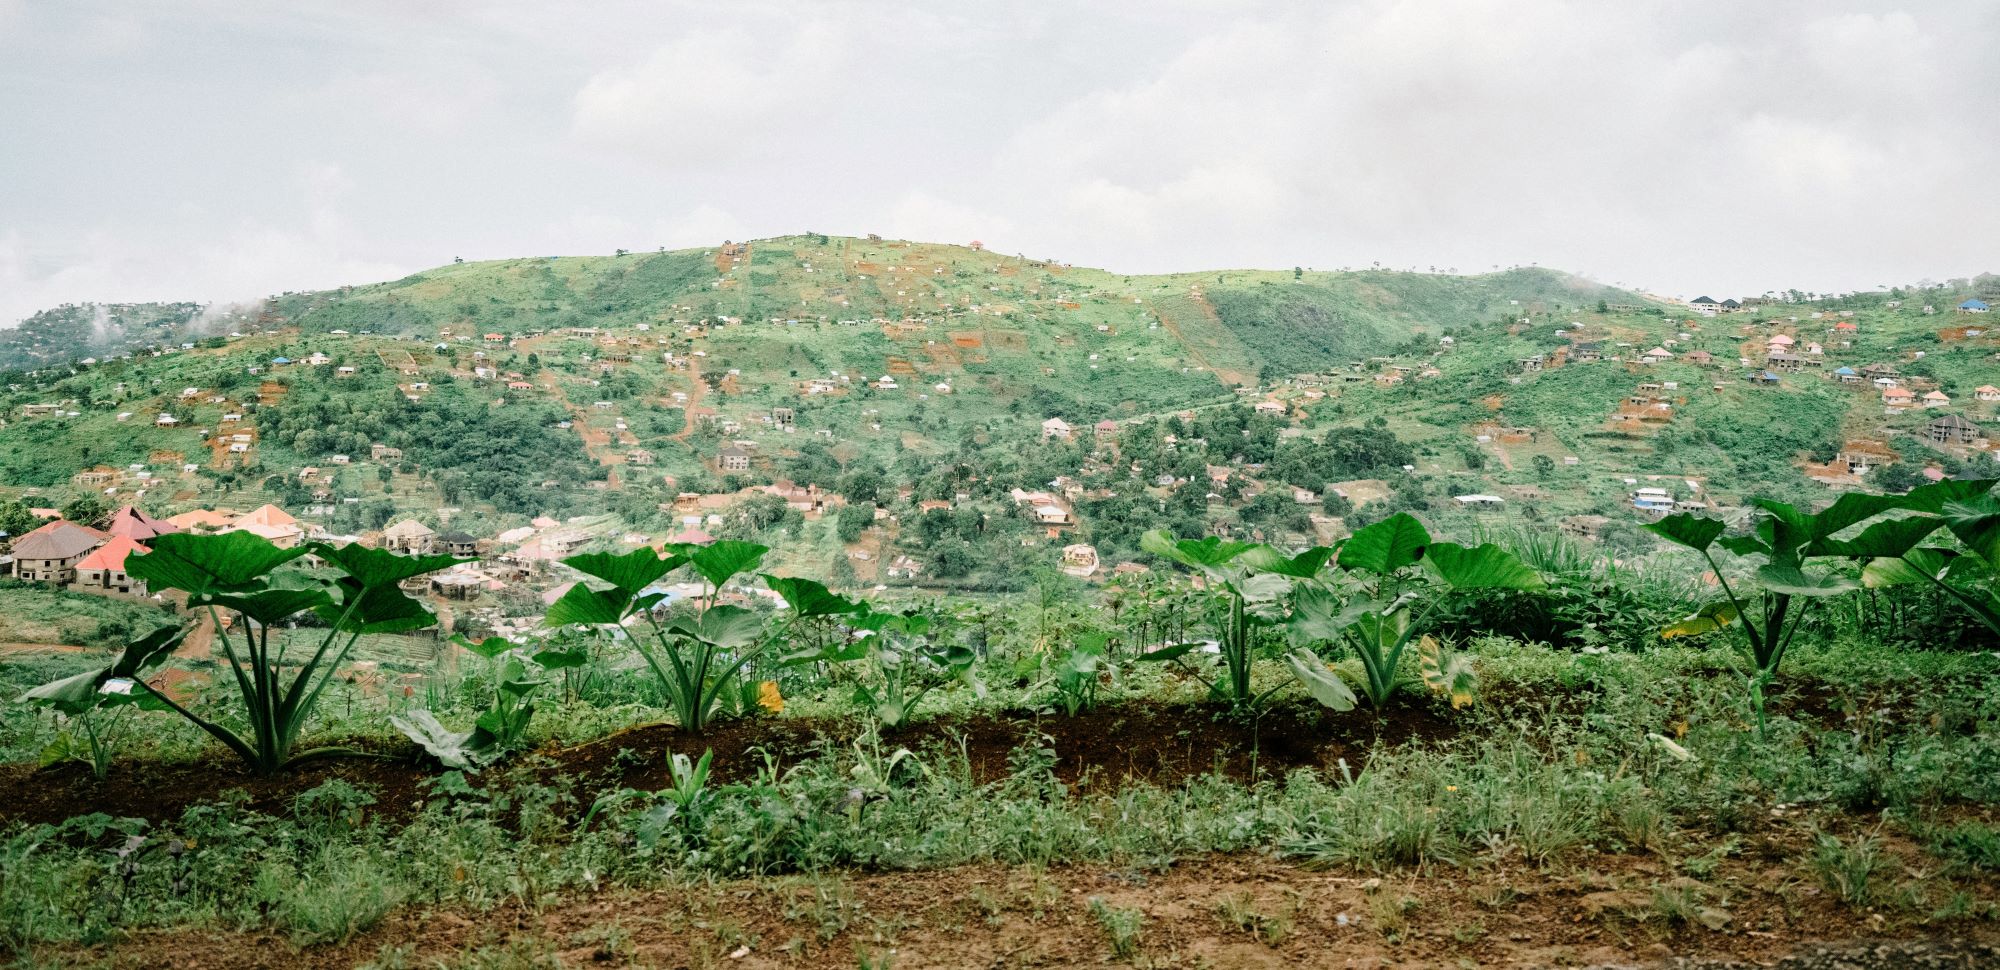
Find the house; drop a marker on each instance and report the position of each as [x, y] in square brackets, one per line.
[1055, 428]
[134, 524]
[1079, 560]
[270, 523]
[1780, 340]
[1271, 407]
[1952, 429]
[1987, 392]
[456, 586]
[382, 452]
[732, 459]
[564, 543]
[1729, 306]
[1653, 500]
[1896, 397]
[1585, 352]
[94, 478]
[1936, 399]
[457, 544]
[1657, 355]
[1846, 326]
[1583, 526]
[1479, 503]
[1861, 456]
[1973, 306]
[166, 421]
[783, 417]
[1705, 304]
[1701, 358]
[49, 554]
[1528, 365]
[104, 568]
[409, 536]
[1846, 375]
[201, 520]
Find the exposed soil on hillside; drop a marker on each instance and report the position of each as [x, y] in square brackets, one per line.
[1204, 912]
[1162, 744]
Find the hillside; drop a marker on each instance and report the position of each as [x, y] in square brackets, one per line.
[781, 389]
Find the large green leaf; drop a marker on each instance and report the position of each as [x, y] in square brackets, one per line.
[1935, 496]
[1323, 684]
[1692, 531]
[1790, 580]
[1318, 615]
[456, 749]
[588, 606]
[1708, 619]
[1890, 538]
[1386, 546]
[380, 567]
[268, 606]
[489, 648]
[1305, 565]
[227, 562]
[1976, 522]
[1206, 554]
[631, 572]
[809, 598]
[1750, 545]
[1914, 566]
[1853, 508]
[1484, 566]
[75, 694]
[719, 561]
[375, 609]
[728, 627]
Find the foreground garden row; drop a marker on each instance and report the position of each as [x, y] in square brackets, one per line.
[1246, 764]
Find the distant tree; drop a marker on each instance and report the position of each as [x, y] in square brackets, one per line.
[1544, 465]
[1900, 477]
[86, 510]
[15, 520]
[853, 519]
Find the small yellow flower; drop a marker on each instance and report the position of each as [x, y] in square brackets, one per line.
[1451, 788]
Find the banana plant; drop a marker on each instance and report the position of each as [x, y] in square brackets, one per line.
[233, 573]
[1795, 554]
[1393, 575]
[1969, 574]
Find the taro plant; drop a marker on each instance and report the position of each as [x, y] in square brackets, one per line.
[231, 573]
[1392, 578]
[903, 657]
[1794, 555]
[518, 673]
[703, 661]
[95, 711]
[1247, 591]
[1076, 673]
[1969, 574]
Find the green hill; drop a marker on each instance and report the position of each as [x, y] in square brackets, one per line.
[904, 373]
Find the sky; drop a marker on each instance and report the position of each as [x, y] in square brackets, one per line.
[223, 150]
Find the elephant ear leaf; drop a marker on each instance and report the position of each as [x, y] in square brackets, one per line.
[374, 609]
[1305, 565]
[1692, 531]
[268, 606]
[719, 561]
[1853, 509]
[631, 572]
[1790, 580]
[809, 598]
[456, 749]
[728, 627]
[1322, 683]
[1976, 523]
[1709, 619]
[380, 567]
[1206, 554]
[1935, 496]
[1484, 566]
[1886, 539]
[589, 607]
[1449, 674]
[1386, 546]
[227, 562]
[81, 692]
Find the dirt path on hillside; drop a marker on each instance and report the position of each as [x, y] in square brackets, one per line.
[696, 393]
[1200, 301]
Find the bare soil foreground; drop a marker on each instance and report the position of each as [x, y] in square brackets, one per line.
[1200, 913]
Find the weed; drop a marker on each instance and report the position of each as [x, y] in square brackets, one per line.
[1849, 870]
[1123, 927]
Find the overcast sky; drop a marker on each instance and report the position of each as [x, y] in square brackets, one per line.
[226, 149]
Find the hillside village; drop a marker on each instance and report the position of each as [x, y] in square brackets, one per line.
[925, 418]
